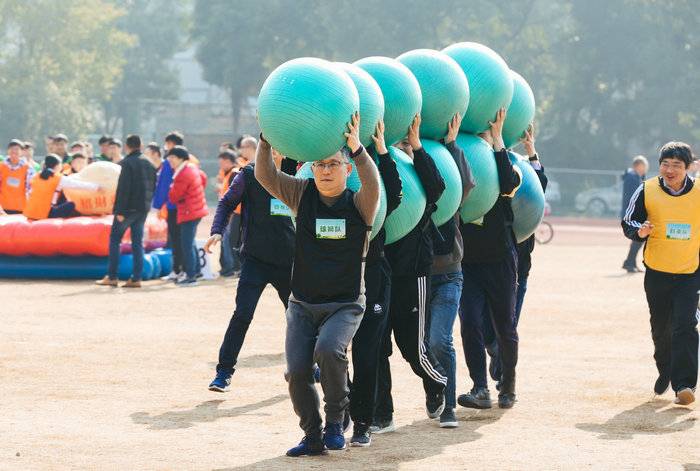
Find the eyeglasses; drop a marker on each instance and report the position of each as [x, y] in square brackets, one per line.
[332, 165]
[675, 166]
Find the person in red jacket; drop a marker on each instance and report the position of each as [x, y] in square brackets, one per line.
[187, 192]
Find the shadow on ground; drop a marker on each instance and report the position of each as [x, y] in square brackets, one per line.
[649, 418]
[207, 411]
[388, 451]
[262, 360]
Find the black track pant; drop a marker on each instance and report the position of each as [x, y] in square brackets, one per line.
[673, 305]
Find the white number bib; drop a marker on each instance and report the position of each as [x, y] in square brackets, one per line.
[12, 181]
[278, 208]
[330, 228]
[677, 231]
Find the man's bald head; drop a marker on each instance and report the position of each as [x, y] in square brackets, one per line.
[247, 148]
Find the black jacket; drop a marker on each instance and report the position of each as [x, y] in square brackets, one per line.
[490, 241]
[413, 254]
[630, 183]
[137, 182]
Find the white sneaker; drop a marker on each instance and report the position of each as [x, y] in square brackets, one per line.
[181, 277]
[172, 276]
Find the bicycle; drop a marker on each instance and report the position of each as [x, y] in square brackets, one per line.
[545, 232]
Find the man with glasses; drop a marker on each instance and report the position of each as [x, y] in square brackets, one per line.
[664, 214]
[328, 293]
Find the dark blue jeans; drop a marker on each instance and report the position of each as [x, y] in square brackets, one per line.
[188, 231]
[226, 256]
[255, 276]
[64, 210]
[135, 222]
[488, 296]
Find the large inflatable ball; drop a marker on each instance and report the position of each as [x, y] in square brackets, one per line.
[371, 101]
[443, 86]
[521, 111]
[485, 174]
[304, 107]
[354, 184]
[490, 83]
[95, 203]
[528, 202]
[448, 204]
[407, 215]
[402, 96]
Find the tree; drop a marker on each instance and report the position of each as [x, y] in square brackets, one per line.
[159, 29]
[57, 62]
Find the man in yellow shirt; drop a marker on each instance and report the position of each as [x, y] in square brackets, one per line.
[664, 213]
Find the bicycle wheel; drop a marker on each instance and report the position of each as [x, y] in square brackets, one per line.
[544, 233]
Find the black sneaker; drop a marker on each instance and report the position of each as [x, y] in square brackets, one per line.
[506, 400]
[380, 426]
[308, 446]
[434, 404]
[448, 418]
[661, 385]
[361, 435]
[477, 398]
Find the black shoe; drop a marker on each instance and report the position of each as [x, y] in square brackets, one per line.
[361, 435]
[448, 418]
[477, 398]
[308, 446]
[506, 400]
[434, 404]
[380, 426]
[661, 385]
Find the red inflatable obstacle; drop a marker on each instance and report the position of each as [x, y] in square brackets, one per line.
[74, 236]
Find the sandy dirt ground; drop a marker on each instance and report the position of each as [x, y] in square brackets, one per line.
[99, 378]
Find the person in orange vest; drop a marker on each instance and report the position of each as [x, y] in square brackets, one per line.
[46, 187]
[15, 177]
[227, 171]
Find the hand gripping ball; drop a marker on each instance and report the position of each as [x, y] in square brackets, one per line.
[304, 107]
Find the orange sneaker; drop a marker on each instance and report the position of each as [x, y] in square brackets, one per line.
[131, 284]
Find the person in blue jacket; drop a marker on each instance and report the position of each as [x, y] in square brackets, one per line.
[631, 180]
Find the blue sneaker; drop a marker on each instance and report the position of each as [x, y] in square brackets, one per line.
[308, 446]
[221, 383]
[333, 437]
[317, 373]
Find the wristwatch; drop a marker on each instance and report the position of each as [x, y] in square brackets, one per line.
[357, 152]
[533, 158]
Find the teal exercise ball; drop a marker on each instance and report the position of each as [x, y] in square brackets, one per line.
[354, 184]
[304, 107]
[482, 162]
[448, 204]
[371, 101]
[443, 86]
[521, 111]
[528, 202]
[410, 211]
[490, 83]
[402, 95]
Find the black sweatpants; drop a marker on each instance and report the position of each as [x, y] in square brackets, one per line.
[489, 295]
[174, 241]
[409, 319]
[367, 343]
[673, 306]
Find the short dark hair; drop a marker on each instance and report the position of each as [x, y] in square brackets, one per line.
[229, 155]
[180, 152]
[175, 137]
[16, 142]
[78, 155]
[153, 147]
[677, 150]
[133, 141]
[105, 140]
